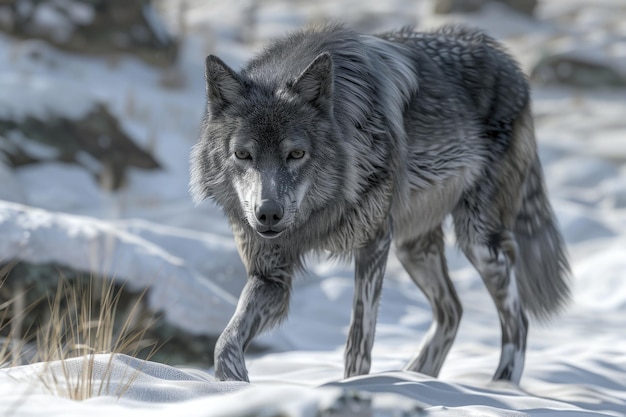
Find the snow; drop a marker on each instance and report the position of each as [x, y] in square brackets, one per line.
[150, 234]
[41, 97]
[195, 303]
[50, 20]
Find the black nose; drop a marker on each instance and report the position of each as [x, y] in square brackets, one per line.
[269, 212]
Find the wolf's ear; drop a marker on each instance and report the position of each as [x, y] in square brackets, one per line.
[223, 85]
[315, 84]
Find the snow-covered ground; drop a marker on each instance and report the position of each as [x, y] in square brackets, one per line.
[150, 233]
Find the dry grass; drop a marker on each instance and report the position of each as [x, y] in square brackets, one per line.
[80, 332]
[12, 313]
[85, 319]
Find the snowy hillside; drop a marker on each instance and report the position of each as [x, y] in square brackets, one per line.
[144, 229]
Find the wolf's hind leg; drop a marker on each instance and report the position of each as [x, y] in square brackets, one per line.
[495, 264]
[424, 260]
[370, 262]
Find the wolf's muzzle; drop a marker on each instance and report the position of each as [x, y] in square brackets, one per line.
[268, 214]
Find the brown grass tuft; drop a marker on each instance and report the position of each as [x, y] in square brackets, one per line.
[85, 318]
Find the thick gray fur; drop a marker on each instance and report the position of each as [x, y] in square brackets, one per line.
[334, 141]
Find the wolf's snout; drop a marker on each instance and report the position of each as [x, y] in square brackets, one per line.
[269, 212]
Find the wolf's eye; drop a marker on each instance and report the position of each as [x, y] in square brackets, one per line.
[242, 154]
[297, 154]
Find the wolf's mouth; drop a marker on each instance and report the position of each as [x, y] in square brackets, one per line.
[270, 234]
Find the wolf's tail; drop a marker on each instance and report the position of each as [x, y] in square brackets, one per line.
[542, 267]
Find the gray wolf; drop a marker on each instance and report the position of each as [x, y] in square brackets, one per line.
[334, 141]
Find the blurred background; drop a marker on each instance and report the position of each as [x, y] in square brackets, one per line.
[101, 101]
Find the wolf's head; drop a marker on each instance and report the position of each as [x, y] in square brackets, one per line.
[268, 152]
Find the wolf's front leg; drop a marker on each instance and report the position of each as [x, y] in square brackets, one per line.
[370, 262]
[263, 303]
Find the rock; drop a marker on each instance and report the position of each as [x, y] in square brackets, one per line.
[95, 141]
[101, 27]
[577, 70]
[467, 6]
[457, 6]
[165, 300]
[187, 299]
[61, 303]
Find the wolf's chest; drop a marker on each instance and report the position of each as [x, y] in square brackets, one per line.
[355, 225]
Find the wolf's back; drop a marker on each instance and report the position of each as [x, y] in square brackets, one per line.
[483, 74]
